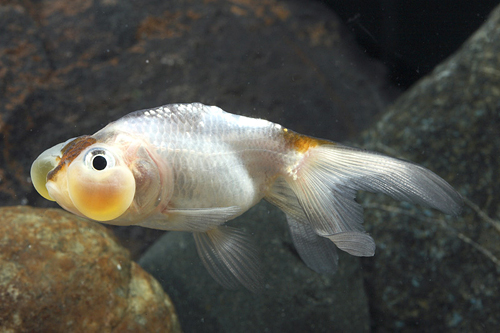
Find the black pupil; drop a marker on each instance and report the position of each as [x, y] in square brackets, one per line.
[99, 162]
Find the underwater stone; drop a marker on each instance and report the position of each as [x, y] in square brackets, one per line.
[67, 69]
[294, 297]
[448, 122]
[60, 273]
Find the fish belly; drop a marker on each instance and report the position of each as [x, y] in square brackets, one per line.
[216, 179]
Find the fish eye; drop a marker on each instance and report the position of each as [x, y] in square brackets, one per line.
[99, 159]
[100, 187]
[99, 162]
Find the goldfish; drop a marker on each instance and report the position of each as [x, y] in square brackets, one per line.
[193, 167]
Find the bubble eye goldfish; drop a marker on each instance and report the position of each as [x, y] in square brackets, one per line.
[192, 167]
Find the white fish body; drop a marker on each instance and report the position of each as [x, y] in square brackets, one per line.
[191, 167]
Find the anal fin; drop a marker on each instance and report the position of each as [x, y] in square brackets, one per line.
[230, 257]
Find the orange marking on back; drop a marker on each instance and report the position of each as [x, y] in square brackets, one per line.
[301, 143]
[70, 152]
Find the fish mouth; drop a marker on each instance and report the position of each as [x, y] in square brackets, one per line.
[45, 163]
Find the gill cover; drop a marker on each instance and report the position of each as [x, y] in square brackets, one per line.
[100, 185]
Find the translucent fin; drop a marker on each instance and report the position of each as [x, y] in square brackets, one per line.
[355, 243]
[319, 253]
[402, 180]
[193, 220]
[323, 191]
[329, 177]
[329, 207]
[230, 257]
[282, 196]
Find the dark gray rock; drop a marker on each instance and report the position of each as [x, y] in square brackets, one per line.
[68, 69]
[433, 272]
[295, 298]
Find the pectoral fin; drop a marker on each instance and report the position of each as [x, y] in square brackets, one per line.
[193, 220]
[230, 257]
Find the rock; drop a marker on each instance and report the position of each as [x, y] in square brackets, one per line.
[68, 70]
[295, 298]
[60, 273]
[433, 272]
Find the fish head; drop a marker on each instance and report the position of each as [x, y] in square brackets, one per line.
[92, 178]
[44, 164]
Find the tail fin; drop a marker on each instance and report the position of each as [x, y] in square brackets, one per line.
[325, 183]
[317, 252]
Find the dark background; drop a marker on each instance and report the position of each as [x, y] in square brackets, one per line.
[411, 37]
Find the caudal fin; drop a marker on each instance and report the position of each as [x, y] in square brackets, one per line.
[324, 184]
[317, 252]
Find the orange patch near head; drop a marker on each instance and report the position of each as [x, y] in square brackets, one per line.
[301, 143]
[70, 152]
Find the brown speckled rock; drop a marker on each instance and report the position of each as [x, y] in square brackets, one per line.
[60, 273]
